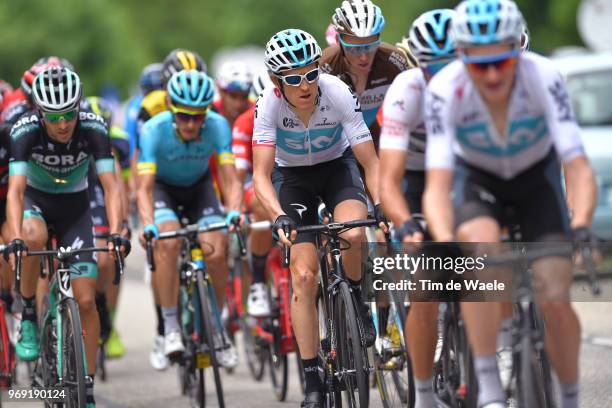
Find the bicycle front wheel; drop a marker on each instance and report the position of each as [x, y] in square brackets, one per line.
[392, 365]
[209, 329]
[351, 354]
[73, 362]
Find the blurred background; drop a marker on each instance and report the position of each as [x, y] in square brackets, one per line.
[109, 41]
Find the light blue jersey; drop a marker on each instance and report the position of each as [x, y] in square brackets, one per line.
[179, 163]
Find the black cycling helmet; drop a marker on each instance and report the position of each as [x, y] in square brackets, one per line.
[180, 59]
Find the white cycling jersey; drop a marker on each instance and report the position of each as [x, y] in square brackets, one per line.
[403, 125]
[540, 115]
[336, 124]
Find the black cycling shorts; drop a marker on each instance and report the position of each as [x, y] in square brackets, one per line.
[413, 186]
[535, 197]
[199, 201]
[69, 216]
[300, 188]
[98, 208]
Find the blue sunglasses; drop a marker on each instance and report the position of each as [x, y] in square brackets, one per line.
[434, 67]
[359, 49]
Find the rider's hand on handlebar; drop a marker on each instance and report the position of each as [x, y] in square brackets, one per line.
[149, 230]
[379, 215]
[285, 222]
[12, 248]
[117, 240]
[410, 231]
[230, 220]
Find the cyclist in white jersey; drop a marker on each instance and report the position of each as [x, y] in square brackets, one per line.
[498, 121]
[402, 176]
[296, 164]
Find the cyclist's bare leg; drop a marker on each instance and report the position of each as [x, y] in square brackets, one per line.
[553, 278]
[167, 278]
[216, 263]
[84, 290]
[482, 320]
[35, 236]
[350, 210]
[421, 333]
[105, 268]
[305, 279]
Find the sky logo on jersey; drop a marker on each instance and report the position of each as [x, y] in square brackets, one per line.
[315, 141]
[523, 134]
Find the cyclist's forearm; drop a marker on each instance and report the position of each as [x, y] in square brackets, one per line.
[267, 196]
[232, 188]
[393, 201]
[14, 213]
[371, 179]
[114, 208]
[144, 199]
[437, 204]
[583, 194]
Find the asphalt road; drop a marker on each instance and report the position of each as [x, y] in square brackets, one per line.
[133, 383]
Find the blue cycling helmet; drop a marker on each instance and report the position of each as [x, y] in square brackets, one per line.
[360, 18]
[483, 22]
[289, 49]
[151, 78]
[191, 88]
[429, 38]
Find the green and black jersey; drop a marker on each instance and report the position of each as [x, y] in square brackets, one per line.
[54, 167]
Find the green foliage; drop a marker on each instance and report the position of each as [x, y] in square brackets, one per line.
[111, 40]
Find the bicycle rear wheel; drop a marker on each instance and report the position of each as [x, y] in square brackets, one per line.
[73, 364]
[208, 329]
[351, 354]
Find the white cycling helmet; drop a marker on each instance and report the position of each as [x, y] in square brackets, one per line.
[235, 77]
[289, 49]
[483, 22]
[57, 89]
[261, 81]
[429, 40]
[360, 18]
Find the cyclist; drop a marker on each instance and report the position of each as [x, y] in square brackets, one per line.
[258, 303]
[175, 148]
[402, 175]
[153, 103]
[19, 102]
[496, 115]
[50, 153]
[234, 83]
[107, 293]
[150, 80]
[361, 60]
[177, 60]
[294, 164]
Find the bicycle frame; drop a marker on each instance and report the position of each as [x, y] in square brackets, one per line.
[282, 282]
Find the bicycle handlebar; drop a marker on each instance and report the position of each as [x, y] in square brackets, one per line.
[187, 231]
[63, 255]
